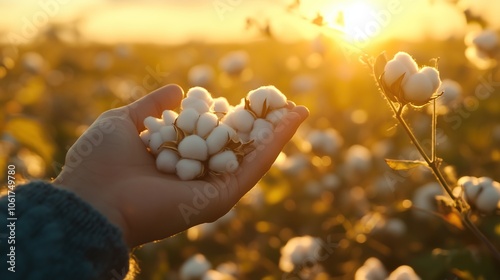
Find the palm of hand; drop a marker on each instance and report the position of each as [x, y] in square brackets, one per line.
[119, 176]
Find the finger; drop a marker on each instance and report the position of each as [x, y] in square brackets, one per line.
[256, 164]
[165, 98]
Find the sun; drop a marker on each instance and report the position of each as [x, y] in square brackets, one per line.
[360, 21]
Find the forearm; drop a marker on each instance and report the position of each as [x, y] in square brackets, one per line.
[59, 236]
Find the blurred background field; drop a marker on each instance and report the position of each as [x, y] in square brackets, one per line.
[56, 82]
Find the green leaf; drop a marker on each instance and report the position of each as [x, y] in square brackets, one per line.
[397, 164]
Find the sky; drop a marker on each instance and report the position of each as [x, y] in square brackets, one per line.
[171, 21]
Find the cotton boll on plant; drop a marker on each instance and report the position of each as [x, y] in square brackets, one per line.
[482, 46]
[299, 250]
[372, 269]
[325, 142]
[403, 272]
[194, 268]
[201, 75]
[217, 275]
[234, 62]
[424, 200]
[358, 159]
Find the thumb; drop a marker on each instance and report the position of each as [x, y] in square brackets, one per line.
[165, 98]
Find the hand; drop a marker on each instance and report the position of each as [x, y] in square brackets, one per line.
[110, 168]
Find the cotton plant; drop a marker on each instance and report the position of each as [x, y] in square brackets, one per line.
[197, 267]
[373, 269]
[209, 136]
[482, 48]
[406, 86]
[299, 252]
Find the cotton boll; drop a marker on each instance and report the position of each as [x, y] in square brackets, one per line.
[201, 75]
[486, 40]
[200, 93]
[276, 116]
[193, 147]
[407, 61]
[187, 120]
[487, 200]
[299, 250]
[228, 268]
[433, 75]
[358, 159]
[418, 89]
[155, 142]
[166, 161]
[188, 169]
[393, 70]
[325, 142]
[241, 120]
[403, 272]
[471, 188]
[270, 95]
[219, 137]
[221, 106]
[262, 131]
[194, 268]
[216, 275]
[276, 98]
[145, 136]
[295, 164]
[169, 116]
[451, 92]
[168, 133]
[33, 62]
[206, 123]
[424, 199]
[372, 269]
[256, 98]
[223, 162]
[153, 124]
[233, 63]
[192, 102]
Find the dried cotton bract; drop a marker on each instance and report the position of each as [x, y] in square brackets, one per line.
[211, 136]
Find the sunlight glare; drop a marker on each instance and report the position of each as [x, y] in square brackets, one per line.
[359, 20]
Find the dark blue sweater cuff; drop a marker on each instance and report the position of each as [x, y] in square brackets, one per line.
[59, 236]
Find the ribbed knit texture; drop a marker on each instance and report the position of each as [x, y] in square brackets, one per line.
[59, 236]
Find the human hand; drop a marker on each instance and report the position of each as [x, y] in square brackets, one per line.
[110, 168]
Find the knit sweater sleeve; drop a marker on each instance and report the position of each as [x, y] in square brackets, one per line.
[56, 235]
